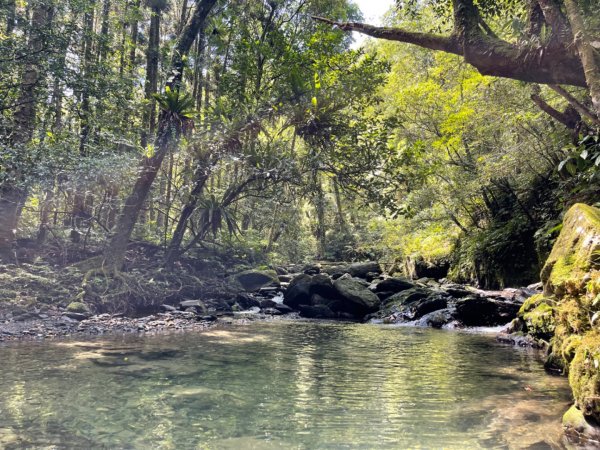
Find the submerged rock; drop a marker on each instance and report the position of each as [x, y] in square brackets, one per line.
[316, 312]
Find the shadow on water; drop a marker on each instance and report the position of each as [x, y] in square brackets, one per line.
[280, 385]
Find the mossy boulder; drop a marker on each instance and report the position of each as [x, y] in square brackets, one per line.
[537, 316]
[576, 425]
[575, 253]
[78, 307]
[253, 280]
[584, 375]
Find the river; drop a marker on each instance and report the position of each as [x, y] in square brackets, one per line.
[301, 385]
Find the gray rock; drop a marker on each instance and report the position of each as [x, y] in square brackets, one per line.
[285, 309]
[311, 269]
[298, 292]
[272, 311]
[393, 285]
[355, 297]
[316, 312]
[167, 308]
[456, 290]
[253, 280]
[408, 296]
[475, 310]
[246, 301]
[75, 316]
[361, 270]
[436, 319]
[267, 303]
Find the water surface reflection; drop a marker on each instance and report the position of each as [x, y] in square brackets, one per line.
[280, 385]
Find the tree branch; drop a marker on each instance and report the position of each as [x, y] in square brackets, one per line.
[579, 107]
[488, 54]
[425, 40]
[566, 119]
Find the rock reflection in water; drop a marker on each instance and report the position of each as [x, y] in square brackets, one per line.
[280, 385]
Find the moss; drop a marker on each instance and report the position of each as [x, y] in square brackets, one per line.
[78, 307]
[584, 375]
[537, 315]
[575, 251]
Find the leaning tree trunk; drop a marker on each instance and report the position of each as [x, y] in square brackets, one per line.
[114, 254]
[174, 249]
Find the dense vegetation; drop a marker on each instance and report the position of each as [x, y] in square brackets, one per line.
[251, 132]
[149, 147]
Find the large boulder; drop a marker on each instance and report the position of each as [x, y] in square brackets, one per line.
[253, 280]
[412, 304]
[408, 296]
[475, 310]
[575, 253]
[355, 297]
[298, 292]
[363, 269]
[393, 284]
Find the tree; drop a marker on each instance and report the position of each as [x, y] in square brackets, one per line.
[13, 190]
[555, 47]
[170, 123]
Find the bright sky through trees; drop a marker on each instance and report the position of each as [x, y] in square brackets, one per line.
[373, 11]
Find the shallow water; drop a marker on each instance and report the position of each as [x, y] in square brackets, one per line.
[280, 385]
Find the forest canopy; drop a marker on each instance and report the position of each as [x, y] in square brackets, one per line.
[252, 131]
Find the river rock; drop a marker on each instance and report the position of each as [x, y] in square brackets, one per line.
[475, 310]
[311, 269]
[298, 292]
[335, 271]
[267, 303]
[284, 309]
[436, 319]
[393, 285]
[456, 290]
[76, 316]
[361, 270]
[316, 312]
[408, 296]
[355, 297]
[196, 306]
[271, 311]
[321, 284]
[253, 280]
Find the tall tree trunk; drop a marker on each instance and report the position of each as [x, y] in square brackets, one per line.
[590, 64]
[114, 254]
[319, 204]
[134, 37]
[80, 212]
[11, 15]
[151, 84]
[13, 193]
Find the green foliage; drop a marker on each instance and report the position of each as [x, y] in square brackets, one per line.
[175, 103]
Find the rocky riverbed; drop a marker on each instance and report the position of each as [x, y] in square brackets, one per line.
[356, 292]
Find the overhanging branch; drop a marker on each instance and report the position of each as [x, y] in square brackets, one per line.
[426, 40]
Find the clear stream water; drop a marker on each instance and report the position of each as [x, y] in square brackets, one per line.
[279, 385]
